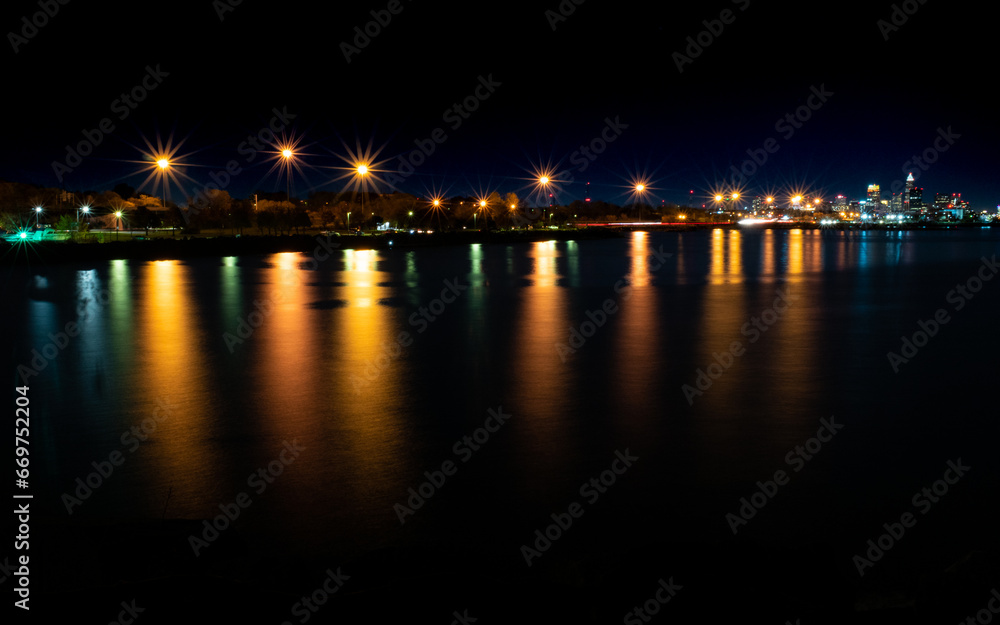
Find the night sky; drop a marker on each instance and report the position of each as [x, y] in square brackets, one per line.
[891, 92]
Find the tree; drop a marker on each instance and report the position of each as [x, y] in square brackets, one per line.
[124, 191]
[107, 198]
[276, 216]
[512, 208]
[66, 222]
[146, 219]
[326, 216]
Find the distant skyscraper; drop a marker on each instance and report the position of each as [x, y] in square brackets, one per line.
[874, 197]
[840, 203]
[916, 199]
[906, 192]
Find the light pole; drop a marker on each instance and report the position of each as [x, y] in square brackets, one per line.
[639, 188]
[118, 223]
[362, 171]
[86, 210]
[38, 214]
[287, 155]
[544, 181]
[163, 164]
[348, 221]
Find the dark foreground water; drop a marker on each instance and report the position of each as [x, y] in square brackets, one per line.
[681, 372]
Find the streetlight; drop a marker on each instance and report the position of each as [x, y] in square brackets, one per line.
[544, 181]
[362, 171]
[639, 188]
[118, 224]
[287, 155]
[86, 209]
[348, 221]
[475, 214]
[38, 214]
[163, 164]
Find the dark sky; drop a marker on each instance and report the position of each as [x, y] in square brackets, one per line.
[553, 91]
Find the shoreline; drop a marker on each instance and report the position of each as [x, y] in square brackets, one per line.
[184, 247]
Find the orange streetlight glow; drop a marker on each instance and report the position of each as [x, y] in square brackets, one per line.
[362, 169]
[286, 153]
[163, 163]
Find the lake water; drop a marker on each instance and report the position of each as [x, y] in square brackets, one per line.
[368, 368]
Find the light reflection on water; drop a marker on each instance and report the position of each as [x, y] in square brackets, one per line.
[336, 361]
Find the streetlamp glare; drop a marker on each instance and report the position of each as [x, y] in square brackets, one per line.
[163, 163]
[362, 169]
[286, 153]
